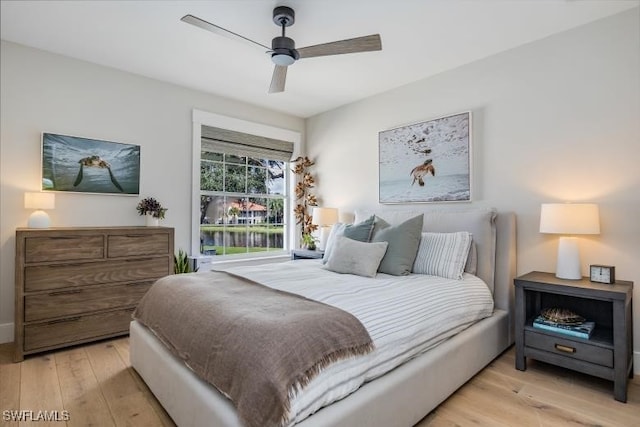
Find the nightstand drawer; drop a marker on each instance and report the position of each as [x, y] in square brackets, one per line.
[565, 347]
[70, 302]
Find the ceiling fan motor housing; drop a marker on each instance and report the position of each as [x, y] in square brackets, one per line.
[284, 46]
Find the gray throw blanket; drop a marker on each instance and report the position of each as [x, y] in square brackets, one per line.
[256, 345]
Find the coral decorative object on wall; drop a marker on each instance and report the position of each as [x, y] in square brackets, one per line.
[87, 165]
[427, 162]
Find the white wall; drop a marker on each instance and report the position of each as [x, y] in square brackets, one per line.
[42, 91]
[555, 120]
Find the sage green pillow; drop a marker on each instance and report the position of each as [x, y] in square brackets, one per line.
[403, 240]
[361, 232]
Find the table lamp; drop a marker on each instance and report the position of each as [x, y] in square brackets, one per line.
[569, 218]
[324, 218]
[39, 201]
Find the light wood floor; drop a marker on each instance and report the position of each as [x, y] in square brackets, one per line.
[96, 385]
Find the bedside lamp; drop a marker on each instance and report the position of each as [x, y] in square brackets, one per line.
[324, 218]
[569, 218]
[39, 201]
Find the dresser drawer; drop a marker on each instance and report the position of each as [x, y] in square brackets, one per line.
[63, 248]
[573, 349]
[92, 273]
[76, 329]
[138, 244]
[78, 301]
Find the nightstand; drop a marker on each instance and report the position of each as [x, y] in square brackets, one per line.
[306, 254]
[607, 354]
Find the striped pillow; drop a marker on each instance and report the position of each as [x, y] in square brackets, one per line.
[443, 254]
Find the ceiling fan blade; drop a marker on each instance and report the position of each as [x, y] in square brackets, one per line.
[359, 44]
[205, 25]
[278, 79]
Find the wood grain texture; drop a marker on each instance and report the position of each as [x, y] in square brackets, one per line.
[74, 285]
[99, 378]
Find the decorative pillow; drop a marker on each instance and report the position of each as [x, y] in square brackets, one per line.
[471, 266]
[443, 254]
[403, 242]
[354, 257]
[360, 232]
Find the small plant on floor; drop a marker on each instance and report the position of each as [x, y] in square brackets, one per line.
[181, 263]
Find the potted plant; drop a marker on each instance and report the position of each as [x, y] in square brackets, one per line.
[151, 209]
[309, 242]
[181, 263]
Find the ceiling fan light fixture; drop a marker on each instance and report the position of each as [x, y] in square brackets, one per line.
[282, 59]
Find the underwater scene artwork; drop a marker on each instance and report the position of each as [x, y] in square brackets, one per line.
[427, 162]
[85, 165]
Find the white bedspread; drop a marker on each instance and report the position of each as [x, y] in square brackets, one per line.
[405, 316]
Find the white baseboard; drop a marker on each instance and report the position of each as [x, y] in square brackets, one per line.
[636, 362]
[6, 332]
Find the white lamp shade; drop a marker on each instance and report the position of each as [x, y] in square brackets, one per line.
[39, 200]
[324, 216]
[569, 218]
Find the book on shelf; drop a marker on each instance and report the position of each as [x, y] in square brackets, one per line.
[583, 330]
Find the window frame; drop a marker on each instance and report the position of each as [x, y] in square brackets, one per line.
[200, 118]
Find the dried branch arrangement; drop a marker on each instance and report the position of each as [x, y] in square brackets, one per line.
[304, 198]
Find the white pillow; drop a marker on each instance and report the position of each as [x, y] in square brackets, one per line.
[354, 257]
[443, 254]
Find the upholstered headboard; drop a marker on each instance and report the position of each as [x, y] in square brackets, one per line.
[493, 233]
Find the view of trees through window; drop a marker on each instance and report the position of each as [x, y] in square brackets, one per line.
[242, 202]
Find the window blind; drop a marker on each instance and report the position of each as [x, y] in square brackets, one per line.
[226, 141]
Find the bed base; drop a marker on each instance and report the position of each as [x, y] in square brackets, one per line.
[402, 397]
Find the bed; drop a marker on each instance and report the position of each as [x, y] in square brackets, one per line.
[400, 397]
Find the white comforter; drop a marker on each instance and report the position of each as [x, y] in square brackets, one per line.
[404, 315]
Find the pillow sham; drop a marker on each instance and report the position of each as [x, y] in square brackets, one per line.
[360, 232]
[354, 257]
[403, 240]
[443, 254]
[471, 266]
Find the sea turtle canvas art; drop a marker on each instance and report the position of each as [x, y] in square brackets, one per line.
[427, 162]
[85, 165]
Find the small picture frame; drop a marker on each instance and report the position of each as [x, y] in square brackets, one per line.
[602, 274]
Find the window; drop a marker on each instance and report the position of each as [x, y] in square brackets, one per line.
[243, 193]
[242, 201]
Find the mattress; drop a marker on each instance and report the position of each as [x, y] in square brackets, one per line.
[404, 315]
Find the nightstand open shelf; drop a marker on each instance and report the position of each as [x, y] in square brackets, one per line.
[606, 354]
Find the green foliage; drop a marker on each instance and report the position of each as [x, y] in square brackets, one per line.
[181, 263]
[151, 206]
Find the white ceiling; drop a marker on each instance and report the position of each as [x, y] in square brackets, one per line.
[419, 39]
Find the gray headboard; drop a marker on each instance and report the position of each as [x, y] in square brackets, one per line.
[494, 234]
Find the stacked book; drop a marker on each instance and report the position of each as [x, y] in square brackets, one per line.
[564, 322]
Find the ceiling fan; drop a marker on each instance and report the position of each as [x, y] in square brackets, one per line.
[283, 49]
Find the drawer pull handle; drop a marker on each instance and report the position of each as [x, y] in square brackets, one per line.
[565, 349]
[72, 291]
[136, 235]
[70, 319]
[138, 260]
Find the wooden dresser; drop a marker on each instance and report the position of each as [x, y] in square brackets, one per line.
[75, 285]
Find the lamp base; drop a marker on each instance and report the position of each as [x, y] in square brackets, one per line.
[324, 236]
[39, 219]
[568, 264]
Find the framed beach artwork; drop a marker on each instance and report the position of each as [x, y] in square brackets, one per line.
[84, 165]
[427, 162]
